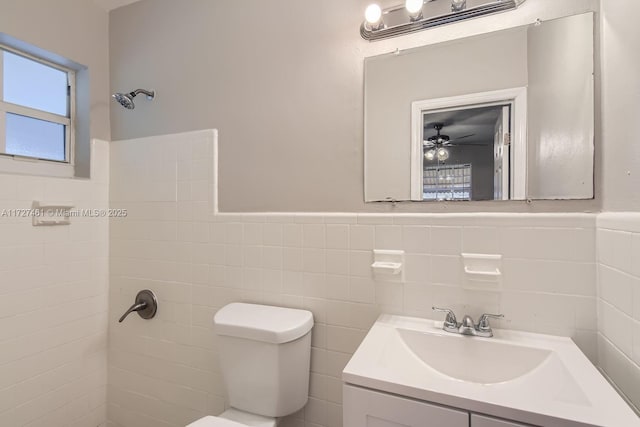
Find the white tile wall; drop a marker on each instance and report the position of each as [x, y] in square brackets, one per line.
[618, 243]
[53, 302]
[164, 372]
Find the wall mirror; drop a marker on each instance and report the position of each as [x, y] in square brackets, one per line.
[507, 115]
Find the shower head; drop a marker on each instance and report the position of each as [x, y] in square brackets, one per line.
[126, 99]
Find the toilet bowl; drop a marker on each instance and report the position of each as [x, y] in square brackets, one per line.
[265, 355]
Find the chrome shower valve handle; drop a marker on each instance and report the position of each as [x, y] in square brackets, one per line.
[146, 305]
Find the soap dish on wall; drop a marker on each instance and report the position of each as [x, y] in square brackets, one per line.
[388, 265]
[485, 267]
[48, 215]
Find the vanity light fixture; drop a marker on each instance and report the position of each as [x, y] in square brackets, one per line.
[417, 15]
[414, 9]
[458, 5]
[373, 17]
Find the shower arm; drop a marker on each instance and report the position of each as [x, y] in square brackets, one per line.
[150, 94]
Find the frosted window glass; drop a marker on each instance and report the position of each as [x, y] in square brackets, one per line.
[35, 138]
[35, 85]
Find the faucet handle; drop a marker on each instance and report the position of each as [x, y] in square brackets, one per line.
[146, 305]
[483, 323]
[449, 321]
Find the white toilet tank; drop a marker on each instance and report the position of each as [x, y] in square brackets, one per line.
[265, 357]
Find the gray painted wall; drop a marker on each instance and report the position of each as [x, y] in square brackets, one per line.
[287, 99]
[76, 30]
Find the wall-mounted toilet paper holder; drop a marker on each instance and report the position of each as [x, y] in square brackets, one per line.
[146, 305]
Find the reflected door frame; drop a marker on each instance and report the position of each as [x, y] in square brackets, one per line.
[516, 96]
[501, 145]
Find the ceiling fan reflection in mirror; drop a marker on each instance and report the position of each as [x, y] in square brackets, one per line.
[440, 140]
[435, 147]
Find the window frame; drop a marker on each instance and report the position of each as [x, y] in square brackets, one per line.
[46, 166]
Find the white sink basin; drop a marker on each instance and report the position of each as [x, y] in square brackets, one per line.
[531, 378]
[468, 359]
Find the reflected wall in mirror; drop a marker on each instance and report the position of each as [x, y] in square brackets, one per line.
[503, 116]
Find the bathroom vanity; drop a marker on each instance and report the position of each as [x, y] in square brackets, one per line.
[409, 372]
[365, 407]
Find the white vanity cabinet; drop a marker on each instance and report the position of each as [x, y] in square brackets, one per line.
[367, 408]
[484, 421]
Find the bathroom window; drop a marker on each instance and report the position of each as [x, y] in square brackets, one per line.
[36, 109]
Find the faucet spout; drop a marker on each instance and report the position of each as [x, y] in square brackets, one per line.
[467, 322]
[468, 326]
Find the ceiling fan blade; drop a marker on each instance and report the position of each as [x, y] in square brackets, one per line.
[469, 144]
[463, 137]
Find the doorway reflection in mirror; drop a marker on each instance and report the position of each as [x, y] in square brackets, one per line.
[466, 153]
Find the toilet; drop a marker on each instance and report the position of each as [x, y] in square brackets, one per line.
[265, 355]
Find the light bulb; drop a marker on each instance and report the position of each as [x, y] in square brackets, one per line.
[373, 13]
[458, 5]
[443, 154]
[430, 155]
[414, 7]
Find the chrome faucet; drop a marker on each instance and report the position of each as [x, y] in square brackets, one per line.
[467, 326]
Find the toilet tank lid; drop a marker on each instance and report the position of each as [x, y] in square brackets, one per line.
[265, 323]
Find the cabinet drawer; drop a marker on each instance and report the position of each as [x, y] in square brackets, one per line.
[366, 408]
[484, 421]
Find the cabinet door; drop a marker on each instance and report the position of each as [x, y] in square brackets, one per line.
[484, 421]
[366, 408]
